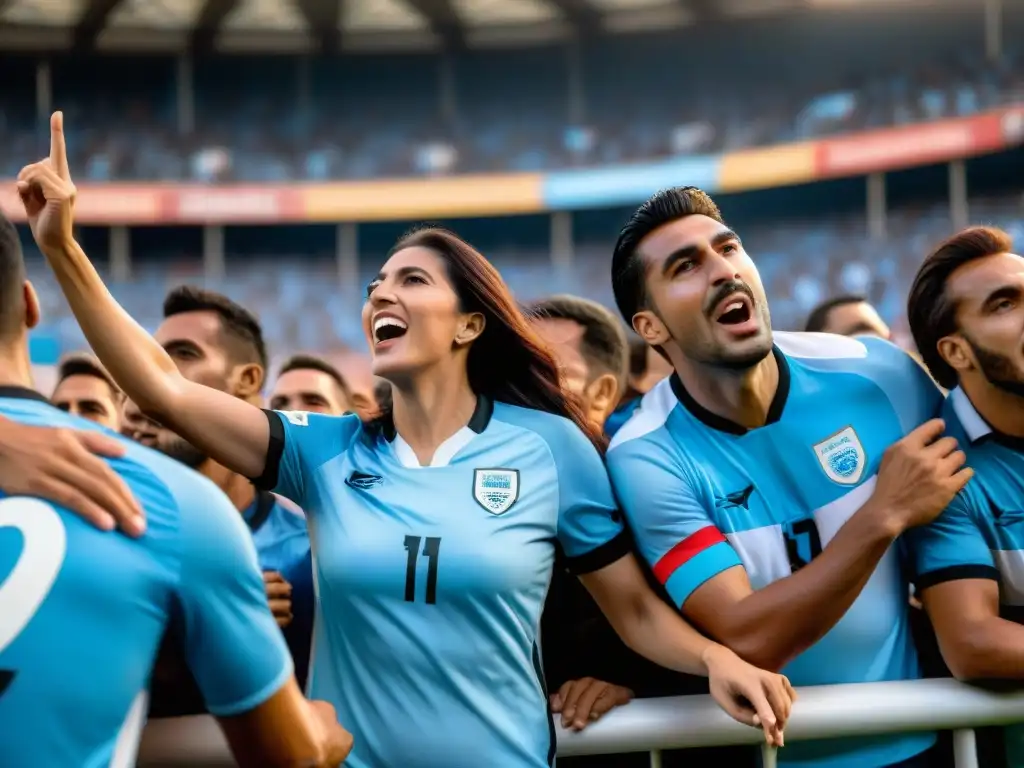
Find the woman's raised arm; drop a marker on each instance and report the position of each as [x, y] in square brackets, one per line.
[230, 431]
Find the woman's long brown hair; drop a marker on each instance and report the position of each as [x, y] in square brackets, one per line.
[508, 362]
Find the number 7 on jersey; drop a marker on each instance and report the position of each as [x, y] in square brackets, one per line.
[431, 550]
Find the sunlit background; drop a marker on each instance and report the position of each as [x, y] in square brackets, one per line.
[275, 149]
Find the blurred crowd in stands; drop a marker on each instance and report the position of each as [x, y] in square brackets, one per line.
[275, 119]
[303, 304]
[713, 88]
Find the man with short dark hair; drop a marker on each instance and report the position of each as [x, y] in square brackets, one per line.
[966, 311]
[85, 389]
[589, 344]
[767, 478]
[847, 315]
[218, 343]
[213, 336]
[310, 383]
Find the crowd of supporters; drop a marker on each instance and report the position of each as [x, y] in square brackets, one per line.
[271, 120]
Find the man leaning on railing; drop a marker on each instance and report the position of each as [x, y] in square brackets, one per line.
[767, 478]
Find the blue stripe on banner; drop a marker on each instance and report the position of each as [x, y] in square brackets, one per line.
[627, 184]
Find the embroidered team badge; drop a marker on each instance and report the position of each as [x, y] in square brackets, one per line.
[496, 490]
[842, 457]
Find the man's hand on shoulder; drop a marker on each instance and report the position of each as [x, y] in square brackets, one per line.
[66, 466]
[918, 478]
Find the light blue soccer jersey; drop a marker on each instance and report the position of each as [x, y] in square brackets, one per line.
[282, 544]
[431, 580]
[82, 611]
[703, 494]
[279, 533]
[981, 533]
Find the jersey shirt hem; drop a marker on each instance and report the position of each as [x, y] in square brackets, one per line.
[601, 556]
[955, 573]
[253, 700]
[267, 481]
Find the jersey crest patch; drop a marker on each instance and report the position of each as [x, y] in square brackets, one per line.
[842, 457]
[496, 490]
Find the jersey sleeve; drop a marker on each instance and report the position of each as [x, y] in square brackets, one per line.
[950, 548]
[590, 529]
[300, 443]
[665, 507]
[913, 394]
[231, 642]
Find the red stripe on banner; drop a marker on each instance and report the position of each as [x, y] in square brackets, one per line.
[686, 549]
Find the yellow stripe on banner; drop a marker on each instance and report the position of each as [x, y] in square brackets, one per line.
[770, 167]
[457, 196]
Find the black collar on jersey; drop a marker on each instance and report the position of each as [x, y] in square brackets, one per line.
[264, 503]
[993, 434]
[723, 424]
[22, 393]
[477, 422]
[1008, 441]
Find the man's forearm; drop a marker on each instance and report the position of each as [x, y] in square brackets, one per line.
[988, 649]
[772, 625]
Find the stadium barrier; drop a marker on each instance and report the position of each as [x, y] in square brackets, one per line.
[651, 725]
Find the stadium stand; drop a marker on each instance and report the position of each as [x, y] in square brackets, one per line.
[609, 100]
[599, 101]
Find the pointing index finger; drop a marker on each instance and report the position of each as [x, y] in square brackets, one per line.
[58, 149]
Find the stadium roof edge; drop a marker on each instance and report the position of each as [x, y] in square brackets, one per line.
[309, 26]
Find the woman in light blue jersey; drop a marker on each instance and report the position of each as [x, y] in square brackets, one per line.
[435, 528]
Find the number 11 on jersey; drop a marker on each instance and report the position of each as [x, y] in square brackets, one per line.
[431, 550]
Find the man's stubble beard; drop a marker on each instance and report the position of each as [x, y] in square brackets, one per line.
[715, 356]
[719, 356]
[998, 369]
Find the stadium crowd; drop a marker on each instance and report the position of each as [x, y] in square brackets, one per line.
[791, 495]
[273, 120]
[802, 261]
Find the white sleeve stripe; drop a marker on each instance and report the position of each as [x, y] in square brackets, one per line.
[127, 746]
[652, 414]
[820, 346]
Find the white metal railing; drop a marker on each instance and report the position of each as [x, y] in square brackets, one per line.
[651, 725]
